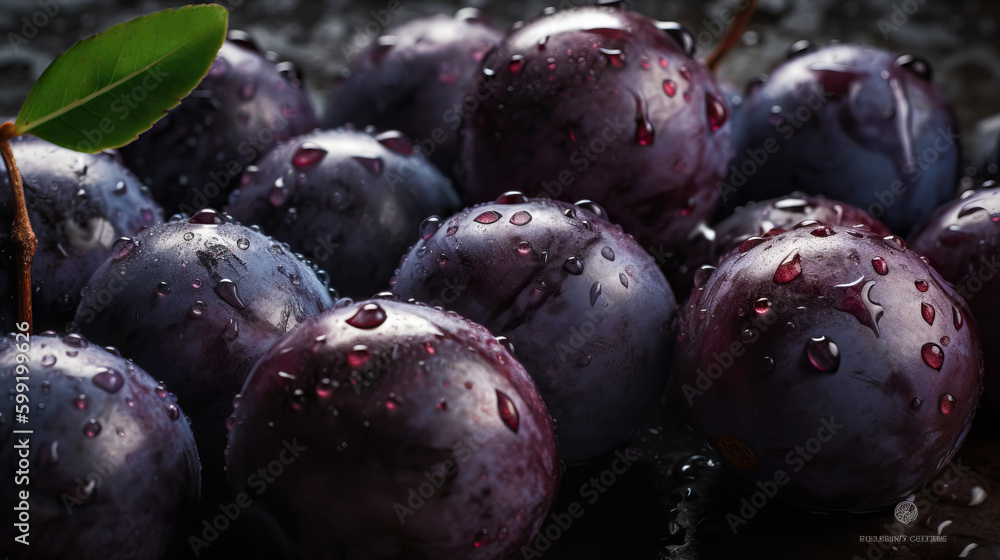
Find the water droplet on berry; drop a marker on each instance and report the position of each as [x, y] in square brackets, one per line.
[369, 316]
[524, 247]
[916, 403]
[482, 538]
[823, 354]
[162, 289]
[762, 306]
[512, 197]
[750, 243]
[946, 403]
[608, 253]
[48, 360]
[508, 412]
[451, 230]
[880, 266]
[358, 355]
[927, 312]
[121, 248]
[669, 87]
[80, 402]
[91, 428]
[595, 292]
[429, 227]
[308, 155]
[227, 291]
[716, 111]
[945, 341]
[205, 216]
[243, 243]
[173, 412]
[921, 285]
[573, 266]
[109, 380]
[933, 355]
[488, 217]
[957, 318]
[372, 163]
[789, 269]
[894, 242]
[516, 64]
[518, 219]
[623, 279]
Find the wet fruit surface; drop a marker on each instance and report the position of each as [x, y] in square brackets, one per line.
[352, 201]
[411, 432]
[420, 78]
[839, 363]
[604, 104]
[193, 157]
[853, 123]
[110, 466]
[589, 314]
[195, 302]
[78, 205]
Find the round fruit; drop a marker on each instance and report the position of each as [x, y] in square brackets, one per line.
[420, 78]
[833, 359]
[193, 157]
[78, 205]
[590, 315]
[608, 105]
[853, 123]
[110, 468]
[351, 200]
[406, 432]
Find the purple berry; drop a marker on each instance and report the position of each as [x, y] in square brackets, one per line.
[113, 464]
[350, 200]
[604, 104]
[78, 205]
[589, 314]
[194, 156]
[419, 78]
[853, 123]
[380, 401]
[847, 343]
[195, 302]
[961, 242]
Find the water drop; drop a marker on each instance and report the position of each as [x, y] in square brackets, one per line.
[109, 380]
[573, 266]
[512, 197]
[80, 402]
[91, 428]
[243, 243]
[947, 403]
[957, 318]
[516, 64]
[933, 355]
[206, 216]
[595, 292]
[623, 279]
[372, 163]
[162, 289]
[429, 227]
[519, 218]
[173, 412]
[308, 155]
[121, 248]
[789, 269]
[750, 243]
[488, 217]
[524, 247]
[823, 354]
[197, 309]
[894, 242]
[75, 340]
[48, 360]
[927, 312]
[615, 56]
[369, 316]
[508, 412]
[916, 403]
[823, 231]
[945, 340]
[716, 111]
[762, 306]
[226, 290]
[669, 88]
[608, 253]
[358, 355]
[451, 230]
[921, 285]
[482, 538]
[880, 266]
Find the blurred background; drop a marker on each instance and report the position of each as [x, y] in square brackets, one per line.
[958, 37]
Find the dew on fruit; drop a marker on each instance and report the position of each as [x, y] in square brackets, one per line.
[945, 341]
[488, 217]
[894, 242]
[669, 87]
[933, 355]
[916, 403]
[750, 243]
[623, 279]
[524, 247]
[122, 248]
[429, 227]
[762, 306]
[946, 403]
[173, 412]
[823, 231]
[573, 265]
[80, 402]
[451, 230]
[308, 155]
[197, 309]
[921, 285]
[162, 289]
[369, 316]
[109, 380]
[957, 318]
[880, 266]
[519, 218]
[227, 291]
[608, 253]
[516, 64]
[511, 197]
[823, 354]
[927, 312]
[243, 243]
[595, 292]
[615, 56]
[789, 269]
[482, 538]
[507, 410]
[91, 428]
[373, 164]
[716, 111]
[48, 360]
[767, 363]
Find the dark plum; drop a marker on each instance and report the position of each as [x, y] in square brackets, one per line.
[608, 105]
[113, 469]
[589, 314]
[350, 199]
[838, 341]
[193, 157]
[854, 123]
[961, 240]
[408, 432]
[758, 219]
[195, 302]
[78, 205]
[419, 78]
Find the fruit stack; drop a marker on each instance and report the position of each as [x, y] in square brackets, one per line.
[552, 292]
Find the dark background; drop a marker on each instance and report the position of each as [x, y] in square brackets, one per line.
[670, 504]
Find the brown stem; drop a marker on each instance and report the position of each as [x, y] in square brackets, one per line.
[21, 233]
[732, 34]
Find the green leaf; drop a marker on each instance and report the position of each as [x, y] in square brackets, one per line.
[107, 89]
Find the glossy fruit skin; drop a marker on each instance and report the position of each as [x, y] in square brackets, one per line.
[757, 219]
[589, 314]
[350, 200]
[78, 204]
[751, 373]
[142, 459]
[853, 123]
[195, 302]
[193, 157]
[622, 115]
[424, 397]
[961, 242]
[420, 78]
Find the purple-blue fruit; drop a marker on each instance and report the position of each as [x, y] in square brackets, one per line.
[853, 123]
[194, 156]
[195, 302]
[404, 432]
[831, 358]
[350, 200]
[420, 78]
[608, 105]
[589, 314]
[109, 468]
